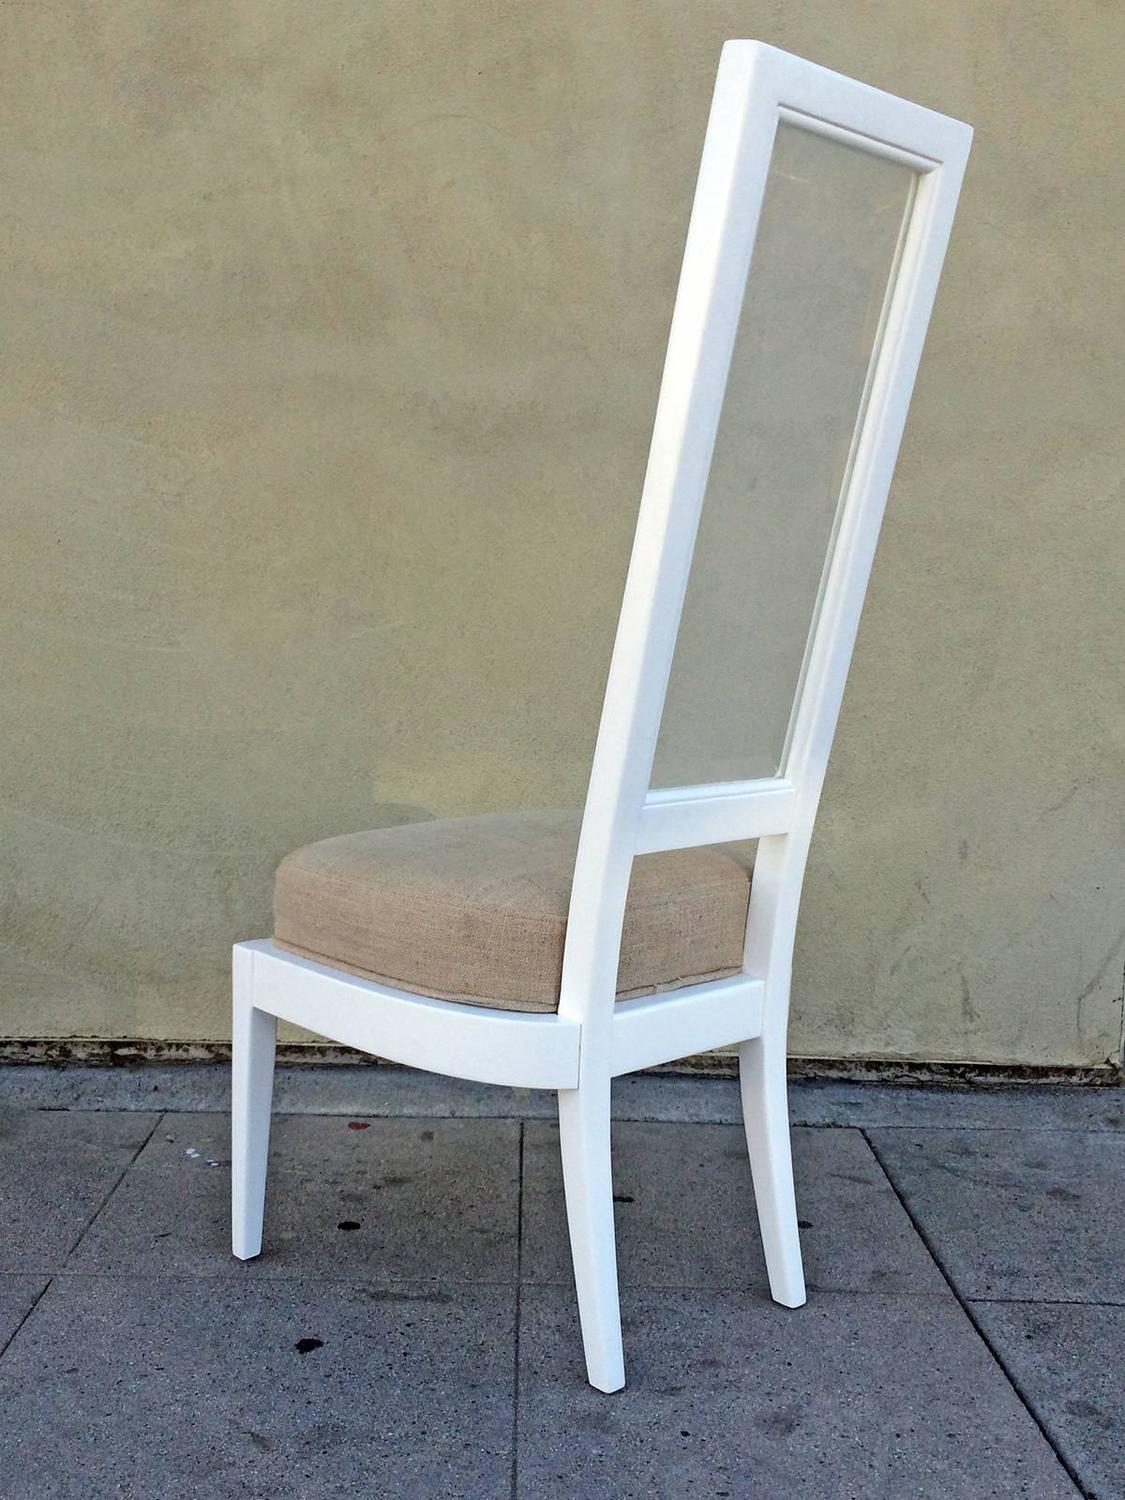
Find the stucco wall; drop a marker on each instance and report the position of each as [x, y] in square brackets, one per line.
[330, 342]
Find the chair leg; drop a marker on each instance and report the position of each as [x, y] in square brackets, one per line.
[584, 1133]
[254, 1042]
[765, 1111]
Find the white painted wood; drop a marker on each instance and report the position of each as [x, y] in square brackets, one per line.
[765, 1112]
[527, 1050]
[593, 1037]
[686, 817]
[254, 1039]
[584, 1140]
[654, 1029]
[815, 126]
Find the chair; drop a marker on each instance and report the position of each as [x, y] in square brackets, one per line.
[559, 951]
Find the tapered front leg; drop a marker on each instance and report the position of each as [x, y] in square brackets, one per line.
[765, 1111]
[584, 1133]
[254, 1042]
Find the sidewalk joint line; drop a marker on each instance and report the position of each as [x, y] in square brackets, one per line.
[966, 1307]
[518, 1312]
[118, 1180]
[7, 1344]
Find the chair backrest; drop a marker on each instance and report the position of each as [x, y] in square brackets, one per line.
[785, 139]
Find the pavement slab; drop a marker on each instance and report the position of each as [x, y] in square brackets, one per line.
[1016, 1214]
[165, 1387]
[56, 1170]
[390, 1200]
[731, 1397]
[685, 1212]
[1068, 1360]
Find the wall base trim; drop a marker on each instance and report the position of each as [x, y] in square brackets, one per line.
[106, 1052]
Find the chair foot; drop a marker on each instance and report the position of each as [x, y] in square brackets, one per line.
[254, 1041]
[584, 1135]
[765, 1111]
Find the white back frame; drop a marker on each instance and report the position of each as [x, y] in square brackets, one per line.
[757, 88]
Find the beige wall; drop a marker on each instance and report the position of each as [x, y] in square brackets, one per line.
[331, 337]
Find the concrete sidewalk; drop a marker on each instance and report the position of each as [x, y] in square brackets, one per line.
[410, 1329]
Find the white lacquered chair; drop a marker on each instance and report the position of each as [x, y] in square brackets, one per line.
[556, 951]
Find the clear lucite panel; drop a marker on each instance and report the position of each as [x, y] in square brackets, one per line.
[827, 238]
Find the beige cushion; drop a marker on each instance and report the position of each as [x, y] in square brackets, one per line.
[474, 909]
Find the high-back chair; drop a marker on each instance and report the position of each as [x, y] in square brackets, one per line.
[549, 951]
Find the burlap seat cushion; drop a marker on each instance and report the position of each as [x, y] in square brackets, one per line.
[474, 909]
